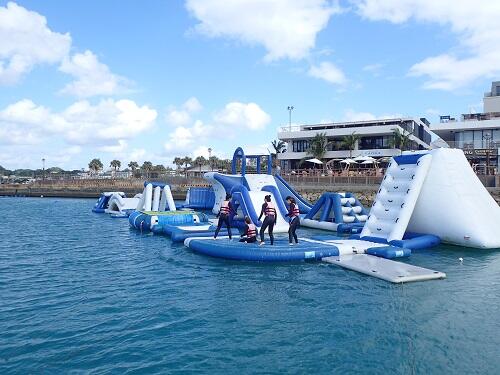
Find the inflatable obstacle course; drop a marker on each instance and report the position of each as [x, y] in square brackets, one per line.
[341, 212]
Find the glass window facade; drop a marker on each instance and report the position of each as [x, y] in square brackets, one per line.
[300, 146]
[477, 138]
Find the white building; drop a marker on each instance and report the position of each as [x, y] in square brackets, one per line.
[478, 134]
[375, 138]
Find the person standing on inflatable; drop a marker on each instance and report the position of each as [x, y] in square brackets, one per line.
[293, 214]
[223, 215]
[269, 211]
[250, 234]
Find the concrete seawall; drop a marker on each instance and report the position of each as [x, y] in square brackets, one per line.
[310, 189]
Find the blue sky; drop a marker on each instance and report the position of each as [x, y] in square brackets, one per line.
[153, 80]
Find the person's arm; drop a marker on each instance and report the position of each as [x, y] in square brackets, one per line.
[262, 210]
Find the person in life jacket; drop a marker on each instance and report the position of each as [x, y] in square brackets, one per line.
[223, 215]
[269, 211]
[250, 234]
[293, 214]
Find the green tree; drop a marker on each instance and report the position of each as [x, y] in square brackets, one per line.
[350, 141]
[213, 161]
[134, 166]
[400, 140]
[200, 161]
[115, 164]
[95, 165]
[318, 146]
[147, 167]
[279, 146]
[159, 168]
[187, 161]
[178, 162]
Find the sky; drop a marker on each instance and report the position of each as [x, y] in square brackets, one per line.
[151, 80]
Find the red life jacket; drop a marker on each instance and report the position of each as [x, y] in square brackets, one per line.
[252, 230]
[295, 211]
[270, 210]
[224, 208]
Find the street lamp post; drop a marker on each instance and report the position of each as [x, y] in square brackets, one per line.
[290, 109]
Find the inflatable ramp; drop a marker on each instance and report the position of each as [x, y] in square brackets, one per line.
[199, 198]
[385, 269]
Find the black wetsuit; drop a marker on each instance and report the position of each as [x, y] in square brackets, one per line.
[246, 238]
[224, 219]
[268, 222]
[294, 224]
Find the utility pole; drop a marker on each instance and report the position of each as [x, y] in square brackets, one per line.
[290, 109]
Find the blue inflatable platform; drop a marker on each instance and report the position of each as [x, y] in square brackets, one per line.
[180, 233]
[281, 251]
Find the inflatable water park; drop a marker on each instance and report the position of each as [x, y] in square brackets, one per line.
[425, 198]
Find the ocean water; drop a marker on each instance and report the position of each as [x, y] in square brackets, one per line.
[83, 293]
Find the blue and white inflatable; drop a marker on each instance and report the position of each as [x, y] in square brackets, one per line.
[116, 203]
[157, 208]
[248, 191]
[341, 212]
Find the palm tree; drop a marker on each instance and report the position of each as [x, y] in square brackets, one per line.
[187, 161]
[318, 146]
[178, 162]
[115, 164]
[95, 165]
[400, 140]
[133, 165]
[213, 161]
[350, 141]
[279, 146]
[199, 161]
[147, 167]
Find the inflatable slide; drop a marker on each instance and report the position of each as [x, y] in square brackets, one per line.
[116, 203]
[248, 191]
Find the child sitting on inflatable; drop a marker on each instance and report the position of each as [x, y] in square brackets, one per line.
[250, 233]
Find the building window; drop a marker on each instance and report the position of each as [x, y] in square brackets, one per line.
[300, 146]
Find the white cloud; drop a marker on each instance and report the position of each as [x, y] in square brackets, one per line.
[248, 115]
[286, 29]
[192, 105]
[91, 77]
[184, 138]
[474, 22]
[117, 148]
[102, 124]
[328, 72]
[234, 117]
[182, 117]
[26, 41]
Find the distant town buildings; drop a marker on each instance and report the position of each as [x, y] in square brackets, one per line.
[478, 134]
[375, 139]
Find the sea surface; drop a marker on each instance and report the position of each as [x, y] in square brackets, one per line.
[82, 293]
